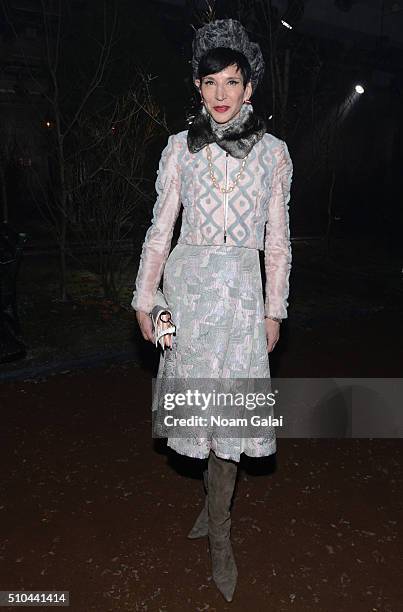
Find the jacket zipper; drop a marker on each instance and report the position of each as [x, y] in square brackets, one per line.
[225, 198]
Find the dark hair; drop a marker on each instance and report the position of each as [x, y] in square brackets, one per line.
[219, 58]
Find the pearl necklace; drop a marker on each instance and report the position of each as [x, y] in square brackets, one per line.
[213, 178]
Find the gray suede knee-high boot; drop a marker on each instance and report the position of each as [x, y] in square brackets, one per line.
[221, 482]
[200, 528]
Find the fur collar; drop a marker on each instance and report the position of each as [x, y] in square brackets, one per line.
[237, 136]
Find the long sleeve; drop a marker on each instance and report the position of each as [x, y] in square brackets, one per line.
[157, 241]
[277, 248]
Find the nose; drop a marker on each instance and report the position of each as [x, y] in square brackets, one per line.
[220, 93]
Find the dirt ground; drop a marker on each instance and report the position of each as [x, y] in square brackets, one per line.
[90, 503]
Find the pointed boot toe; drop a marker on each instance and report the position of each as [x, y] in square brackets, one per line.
[225, 572]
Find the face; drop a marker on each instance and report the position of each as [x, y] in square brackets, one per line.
[223, 93]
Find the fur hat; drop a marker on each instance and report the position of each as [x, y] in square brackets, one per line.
[227, 33]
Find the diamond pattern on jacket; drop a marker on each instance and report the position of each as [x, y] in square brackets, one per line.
[238, 230]
[210, 200]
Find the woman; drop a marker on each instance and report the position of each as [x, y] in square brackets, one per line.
[233, 180]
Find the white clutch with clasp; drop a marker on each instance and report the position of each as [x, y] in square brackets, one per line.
[161, 313]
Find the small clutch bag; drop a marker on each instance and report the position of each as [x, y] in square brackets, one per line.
[160, 309]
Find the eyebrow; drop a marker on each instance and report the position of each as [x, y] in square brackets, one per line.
[231, 77]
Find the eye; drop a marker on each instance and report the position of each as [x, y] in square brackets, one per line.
[233, 81]
[208, 82]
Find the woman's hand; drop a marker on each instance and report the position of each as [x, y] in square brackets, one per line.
[146, 327]
[272, 333]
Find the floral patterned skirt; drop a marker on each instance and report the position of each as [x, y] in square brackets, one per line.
[216, 297]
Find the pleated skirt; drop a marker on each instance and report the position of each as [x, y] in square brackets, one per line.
[216, 298]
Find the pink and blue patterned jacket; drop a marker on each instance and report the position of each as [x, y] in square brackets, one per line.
[254, 215]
